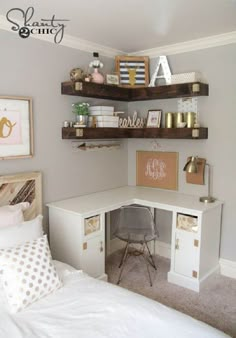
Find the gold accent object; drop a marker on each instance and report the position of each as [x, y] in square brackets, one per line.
[194, 274]
[196, 88]
[178, 118]
[78, 86]
[168, 120]
[85, 246]
[196, 243]
[190, 119]
[79, 132]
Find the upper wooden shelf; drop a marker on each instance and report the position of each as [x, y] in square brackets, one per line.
[110, 92]
[111, 133]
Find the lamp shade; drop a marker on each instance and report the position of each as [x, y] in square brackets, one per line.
[191, 165]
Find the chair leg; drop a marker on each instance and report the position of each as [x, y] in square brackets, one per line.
[150, 255]
[146, 262]
[124, 254]
[123, 262]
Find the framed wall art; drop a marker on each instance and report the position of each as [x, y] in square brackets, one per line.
[112, 79]
[23, 187]
[157, 169]
[133, 71]
[16, 127]
[154, 119]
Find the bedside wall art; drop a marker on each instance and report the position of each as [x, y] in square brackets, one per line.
[157, 169]
[16, 127]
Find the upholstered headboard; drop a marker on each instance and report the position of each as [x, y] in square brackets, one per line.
[22, 187]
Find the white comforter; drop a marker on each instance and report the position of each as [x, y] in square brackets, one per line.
[88, 308]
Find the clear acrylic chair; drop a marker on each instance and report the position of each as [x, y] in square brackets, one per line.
[135, 225]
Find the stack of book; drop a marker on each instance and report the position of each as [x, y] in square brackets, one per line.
[102, 117]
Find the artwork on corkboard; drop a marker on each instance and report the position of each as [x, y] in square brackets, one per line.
[197, 178]
[157, 169]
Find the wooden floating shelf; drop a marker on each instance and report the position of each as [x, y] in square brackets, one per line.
[111, 92]
[113, 133]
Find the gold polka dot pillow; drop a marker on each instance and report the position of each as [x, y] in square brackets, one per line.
[28, 273]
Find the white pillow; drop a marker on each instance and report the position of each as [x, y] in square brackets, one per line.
[23, 232]
[12, 214]
[28, 273]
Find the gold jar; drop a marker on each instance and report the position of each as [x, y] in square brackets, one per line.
[178, 118]
[190, 119]
[169, 120]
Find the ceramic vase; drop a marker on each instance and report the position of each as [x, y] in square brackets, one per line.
[97, 77]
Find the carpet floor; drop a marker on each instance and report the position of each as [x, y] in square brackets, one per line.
[214, 305]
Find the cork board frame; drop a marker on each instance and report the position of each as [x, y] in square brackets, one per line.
[157, 169]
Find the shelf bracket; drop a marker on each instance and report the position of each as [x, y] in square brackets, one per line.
[79, 132]
[78, 85]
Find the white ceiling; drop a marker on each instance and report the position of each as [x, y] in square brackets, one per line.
[135, 25]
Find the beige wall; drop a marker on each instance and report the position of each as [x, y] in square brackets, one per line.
[217, 112]
[34, 68]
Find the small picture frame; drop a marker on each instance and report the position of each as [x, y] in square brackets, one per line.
[154, 118]
[112, 79]
[133, 71]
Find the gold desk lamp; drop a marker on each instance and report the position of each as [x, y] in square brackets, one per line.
[192, 167]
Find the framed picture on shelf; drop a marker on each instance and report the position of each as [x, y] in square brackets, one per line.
[133, 70]
[157, 169]
[112, 79]
[16, 127]
[154, 119]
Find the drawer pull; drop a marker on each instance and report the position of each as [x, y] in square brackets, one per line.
[177, 244]
[101, 246]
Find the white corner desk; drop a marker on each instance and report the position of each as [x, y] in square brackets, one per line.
[77, 231]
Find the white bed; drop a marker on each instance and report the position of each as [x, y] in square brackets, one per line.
[87, 308]
[83, 307]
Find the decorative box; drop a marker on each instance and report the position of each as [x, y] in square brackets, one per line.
[104, 121]
[101, 110]
[185, 77]
[187, 222]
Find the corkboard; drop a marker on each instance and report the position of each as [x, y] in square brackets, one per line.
[157, 169]
[197, 178]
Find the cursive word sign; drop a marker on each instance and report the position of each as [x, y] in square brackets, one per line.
[6, 127]
[132, 122]
[45, 26]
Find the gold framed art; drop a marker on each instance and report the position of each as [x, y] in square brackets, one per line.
[157, 169]
[133, 71]
[16, 127]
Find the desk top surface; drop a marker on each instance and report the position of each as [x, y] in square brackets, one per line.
[112, 199]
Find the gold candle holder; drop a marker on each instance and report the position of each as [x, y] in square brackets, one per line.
[178, 118]
[168, 120]
[190, 119]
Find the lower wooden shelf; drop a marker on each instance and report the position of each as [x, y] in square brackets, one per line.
[113, 133]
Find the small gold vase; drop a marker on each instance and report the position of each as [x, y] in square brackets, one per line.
[189, 118]
[169, 120]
